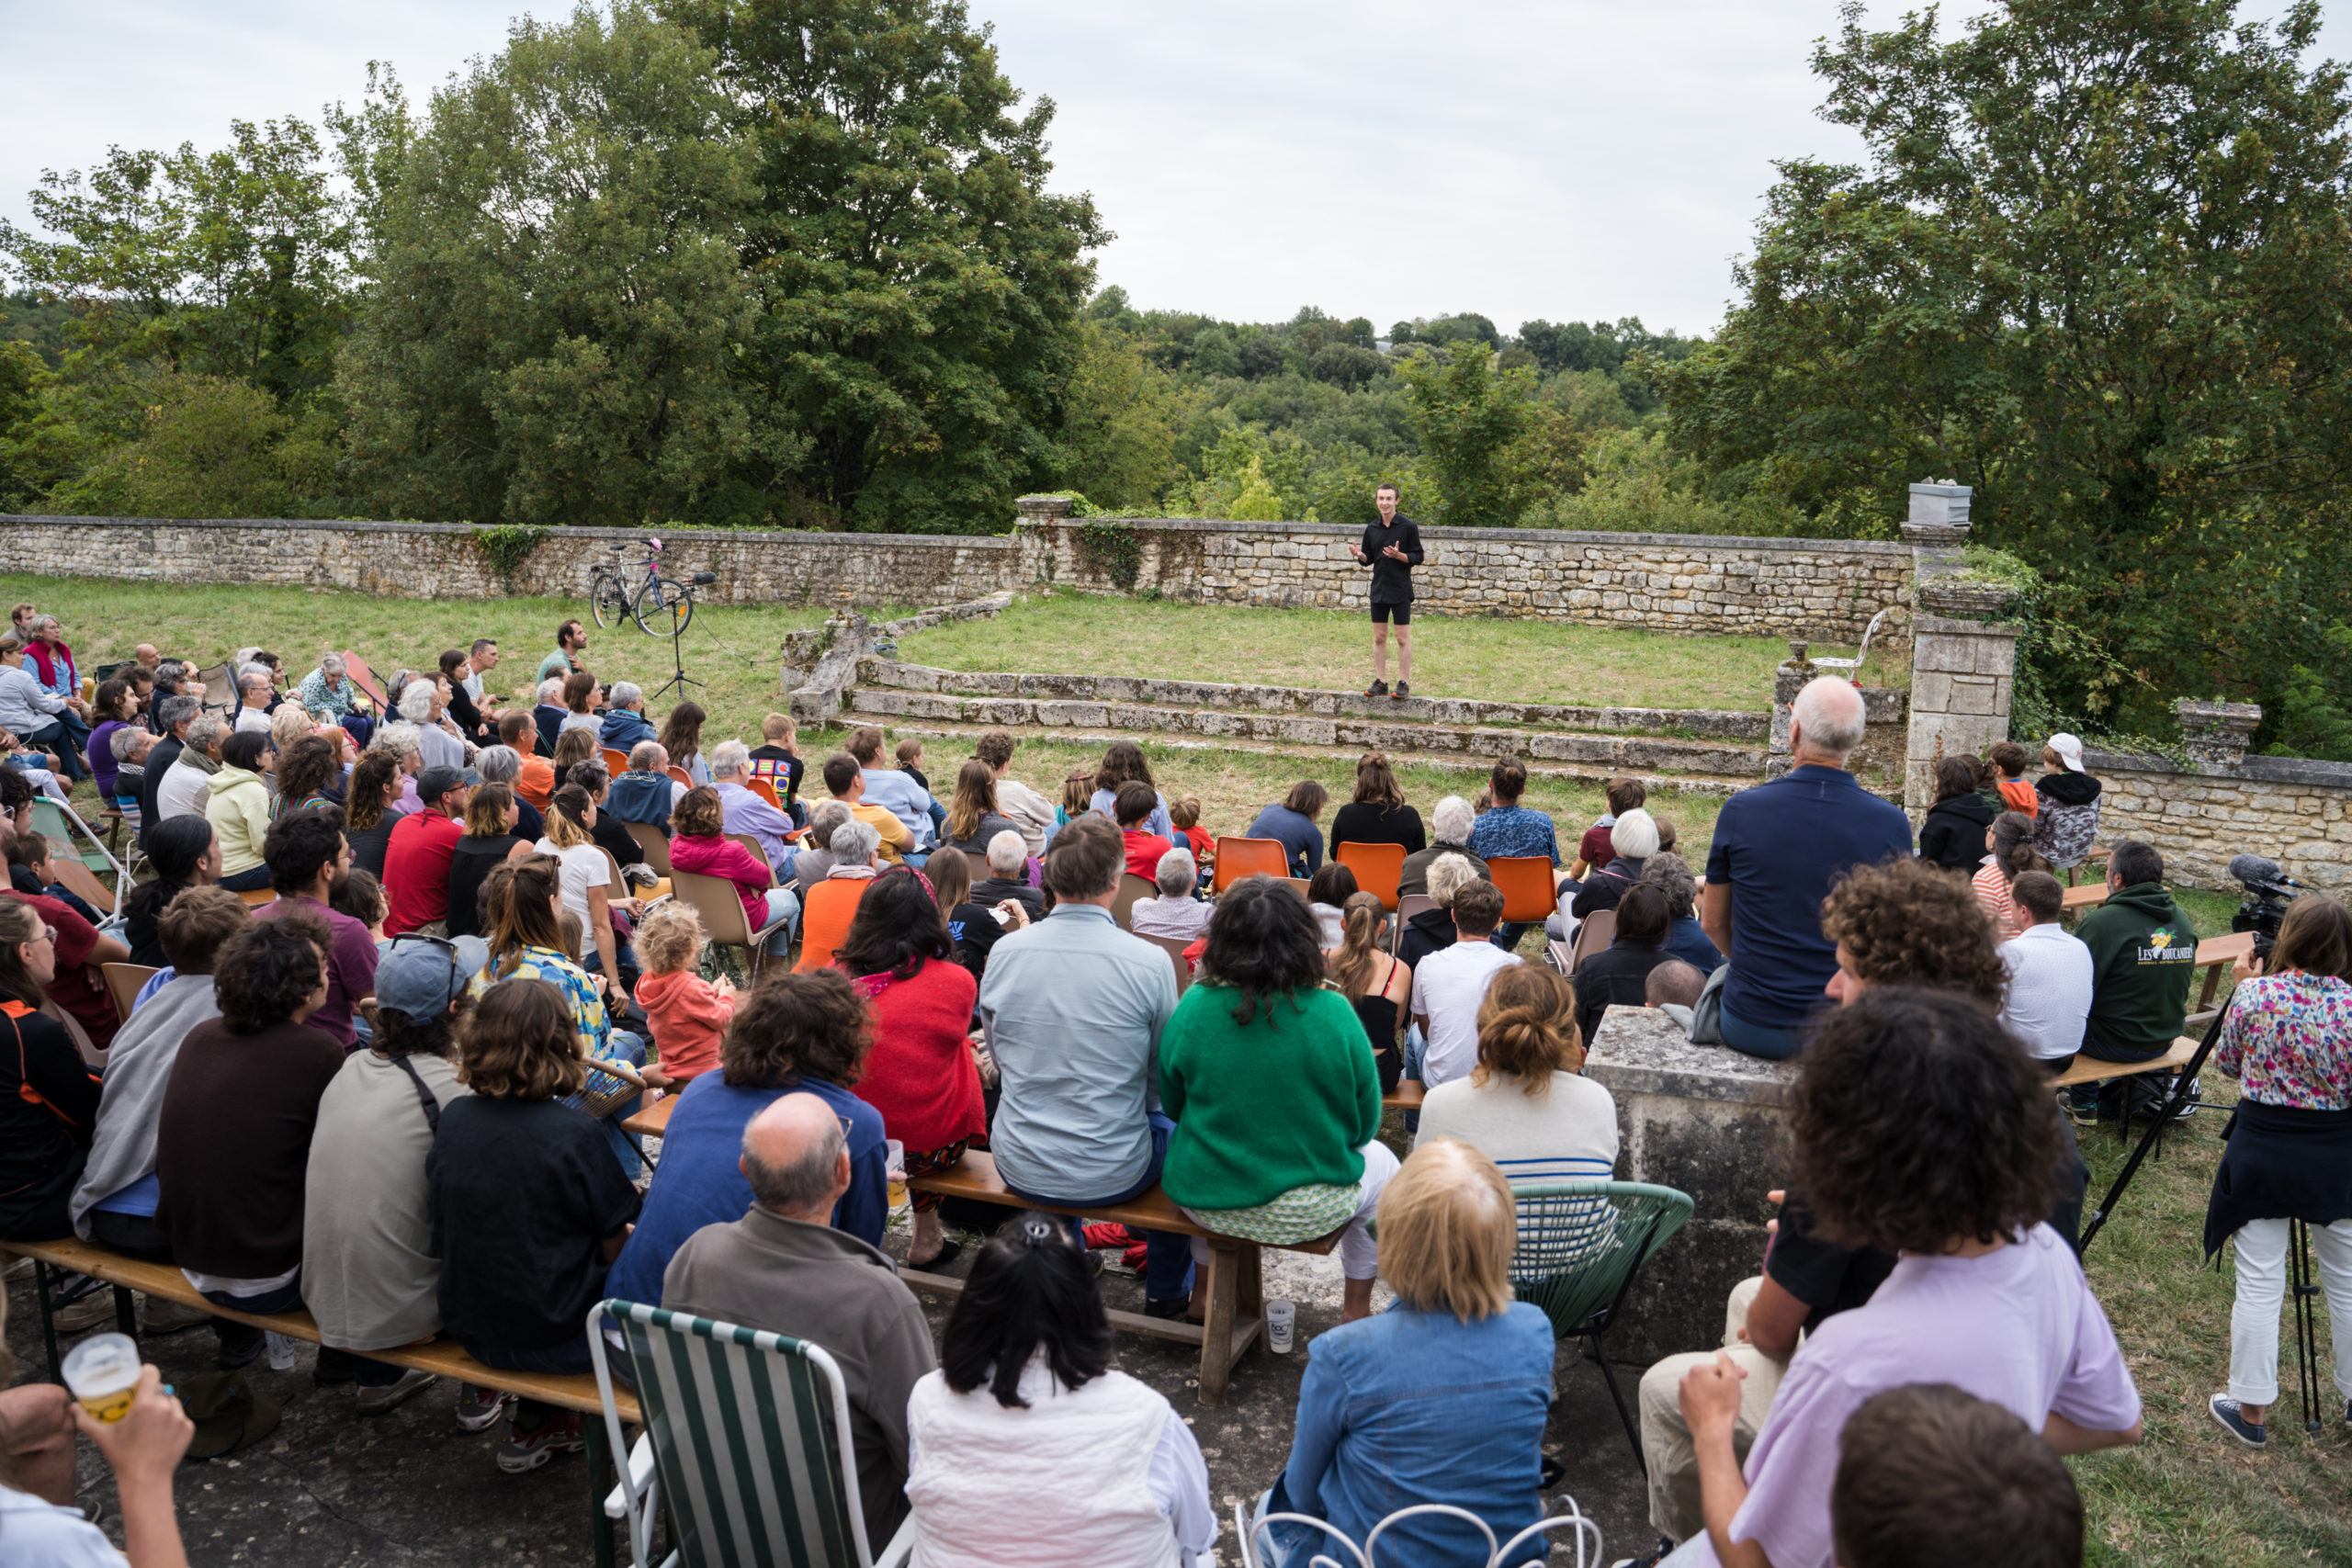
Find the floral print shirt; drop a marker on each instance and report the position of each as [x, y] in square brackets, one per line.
[2288, 1041]
[589, 1019]
[316, 696]
[1515, 831]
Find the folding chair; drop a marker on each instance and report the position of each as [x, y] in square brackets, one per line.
[1238, 858]
[59, 822]
[1581, 1244]
[715, 900]
[1131, 889]
[1318, 1549]
[747, 1444]
[1378, 869]
[220, 688]
[1527, 887]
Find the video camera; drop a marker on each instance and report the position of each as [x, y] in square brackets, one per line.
[2268, 892]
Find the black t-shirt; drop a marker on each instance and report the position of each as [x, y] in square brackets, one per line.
[368, 844]
[470, 865]
[785, 766]
[613, 836]
[523, 1194]
[975, 929]
[1366, 822]
[1618, 976]
[1392, 581]
[1829, 1280]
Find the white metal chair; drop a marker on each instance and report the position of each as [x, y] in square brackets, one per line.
[1367, 1555]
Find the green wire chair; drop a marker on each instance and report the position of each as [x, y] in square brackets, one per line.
[1581, 1244]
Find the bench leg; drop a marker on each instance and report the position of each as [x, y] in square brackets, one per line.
[48, 1319]
[600, 1528]
[1216, 1342]
[126, 1310]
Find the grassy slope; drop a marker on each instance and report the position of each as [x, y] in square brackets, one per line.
[2186, 1497]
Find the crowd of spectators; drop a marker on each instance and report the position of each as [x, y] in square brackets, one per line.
[407, 992]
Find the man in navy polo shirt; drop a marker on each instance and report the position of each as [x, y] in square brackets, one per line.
[1778, 850]
[1392, 548]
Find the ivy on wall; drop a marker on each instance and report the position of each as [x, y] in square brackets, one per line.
[1112, 548]
[506, 548]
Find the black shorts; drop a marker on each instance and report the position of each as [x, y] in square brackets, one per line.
[1404, 613]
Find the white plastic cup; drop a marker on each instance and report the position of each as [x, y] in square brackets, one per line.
[1282, 1323]
[893, 1165]
[102, 1371]
[281, 1350]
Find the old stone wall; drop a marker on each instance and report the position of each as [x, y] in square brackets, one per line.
[1826, 589]
[2295, 812]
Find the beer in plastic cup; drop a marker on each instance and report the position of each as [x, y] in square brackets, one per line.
[103, 1373]
[1282, 1323]
[894, 1163]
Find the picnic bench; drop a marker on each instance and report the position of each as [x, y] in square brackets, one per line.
[443, 1358]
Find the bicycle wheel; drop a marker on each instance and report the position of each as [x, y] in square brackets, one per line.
[607, 598]
[664, 608]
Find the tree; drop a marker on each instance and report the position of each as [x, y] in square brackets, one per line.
[558, 306]
[2097, 265]
[915, 285]
[1469, 414]
[1122, 416]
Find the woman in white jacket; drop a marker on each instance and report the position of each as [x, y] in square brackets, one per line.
[1026, 1450]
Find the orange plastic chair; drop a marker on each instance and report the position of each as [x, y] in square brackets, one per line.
[616, 763]
[764, 790]
[825, 920]
[1526, 881]
[1238, 858]
[682, 776]
[1378, 868]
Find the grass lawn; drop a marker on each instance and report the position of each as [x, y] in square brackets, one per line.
[1496, 661]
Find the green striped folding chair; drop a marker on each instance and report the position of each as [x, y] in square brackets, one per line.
[748, 1441]
[1581, 1244]
[76, 840]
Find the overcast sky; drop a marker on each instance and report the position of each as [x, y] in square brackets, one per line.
[1569, 159]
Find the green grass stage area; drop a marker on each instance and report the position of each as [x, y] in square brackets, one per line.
[2185, 1498]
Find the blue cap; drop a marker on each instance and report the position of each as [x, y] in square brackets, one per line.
[421, 976]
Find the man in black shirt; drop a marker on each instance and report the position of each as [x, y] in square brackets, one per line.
[1392, 548]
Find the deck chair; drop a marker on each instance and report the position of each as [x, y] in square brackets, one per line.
[715, 900]
[220, 688]
[1593, 935]
[747, 1446]
[123, 981]
[1378, 869]
[650, 839]
[1131, 888]
[1526, 881]
[1581, 1244]
[84, 855]
[354, 669]
[1238, 858]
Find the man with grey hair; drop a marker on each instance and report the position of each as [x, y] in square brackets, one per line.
[255, 689]
[549, 713]
[1778, 848]
[646, 794]
[626, 725]
[1173, 912]
[186, 785]
[783, 1266]
[174, 715]
[1007, 878]
[813, 865]
[731, 764]
[1450, 823]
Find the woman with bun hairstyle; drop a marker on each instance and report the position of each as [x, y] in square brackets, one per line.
[2008, 843]
[1527, 1105]
[1271, 1084]
[1375, 983]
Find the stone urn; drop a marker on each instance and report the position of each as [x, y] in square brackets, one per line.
[1960, 599]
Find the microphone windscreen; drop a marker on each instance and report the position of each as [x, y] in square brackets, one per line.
[2253, 868]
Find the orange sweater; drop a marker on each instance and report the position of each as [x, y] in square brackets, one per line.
[687, 1014]
[2018, 795]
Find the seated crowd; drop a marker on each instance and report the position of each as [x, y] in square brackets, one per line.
[448, 1160]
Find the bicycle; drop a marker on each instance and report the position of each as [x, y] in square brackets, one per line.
[662, 606]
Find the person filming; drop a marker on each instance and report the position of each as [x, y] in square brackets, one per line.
[2288, 1041]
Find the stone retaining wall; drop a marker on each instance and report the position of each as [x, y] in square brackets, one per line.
[1825, 589]
[2297, 813]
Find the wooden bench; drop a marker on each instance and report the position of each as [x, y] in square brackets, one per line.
[2090, 1069]
[1236, 1281]
[2215, 954]
[443, 1358]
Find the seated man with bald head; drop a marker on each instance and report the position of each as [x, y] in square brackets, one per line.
[1778, 848]
[783, 1268]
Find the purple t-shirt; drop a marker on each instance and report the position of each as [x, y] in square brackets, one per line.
[2018, 1328]
[351, 967]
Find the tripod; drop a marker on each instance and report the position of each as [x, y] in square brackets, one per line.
[679, 600]
[679, 680]
[2300, 1289]
[2165, 1114]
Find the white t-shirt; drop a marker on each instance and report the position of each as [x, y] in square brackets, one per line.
[2050, 989]
[253, 721]
[583, 867]
[41, 1535]
[1447, 988]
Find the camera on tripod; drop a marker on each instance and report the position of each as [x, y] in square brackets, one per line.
[2268, 892]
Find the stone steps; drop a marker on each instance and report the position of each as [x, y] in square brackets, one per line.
[1479, 745]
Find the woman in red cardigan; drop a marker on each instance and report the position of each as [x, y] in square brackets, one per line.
[921, 1074]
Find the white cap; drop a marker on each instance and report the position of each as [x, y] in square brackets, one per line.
[2070, 752]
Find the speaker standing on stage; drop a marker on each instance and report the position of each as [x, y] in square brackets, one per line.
[1392, 548]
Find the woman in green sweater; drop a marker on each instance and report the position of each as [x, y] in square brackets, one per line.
[1271, 1083]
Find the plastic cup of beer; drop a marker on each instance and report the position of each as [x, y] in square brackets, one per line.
[894, 1164]
[103, 1373]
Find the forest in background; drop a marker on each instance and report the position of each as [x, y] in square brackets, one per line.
[798, 264]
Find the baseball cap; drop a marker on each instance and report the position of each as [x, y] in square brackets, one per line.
[421, 976]
[2070, 750]
[435, 782]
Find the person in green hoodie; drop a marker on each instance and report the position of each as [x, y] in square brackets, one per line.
[2144, 953]
[1276, 1096]
[239, 809]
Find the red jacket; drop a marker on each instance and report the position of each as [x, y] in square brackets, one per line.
[921, 1074]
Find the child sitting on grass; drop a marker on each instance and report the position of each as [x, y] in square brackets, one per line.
[686, 1013]
[1184, 815]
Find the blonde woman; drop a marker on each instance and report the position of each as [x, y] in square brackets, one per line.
[1526, 1105]
[1374, 982]
[972, 817]
[1441, 1399]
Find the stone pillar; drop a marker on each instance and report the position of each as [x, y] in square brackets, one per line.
[1036, 531]
[1964, 662]
[1705, 1121]
[2215, 733]
[1787, 681]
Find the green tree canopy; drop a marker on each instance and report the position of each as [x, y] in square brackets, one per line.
[2097, 265]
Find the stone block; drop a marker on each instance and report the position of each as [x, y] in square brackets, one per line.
[1974, 694]
[1938, 651]
[1066, 714]
[1931, 692]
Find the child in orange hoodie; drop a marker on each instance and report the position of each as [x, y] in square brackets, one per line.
[2017, 790]
[686, 1012]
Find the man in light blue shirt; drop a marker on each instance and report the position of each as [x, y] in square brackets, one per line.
[896, 793]
[731, 764]
[1073, 1007]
